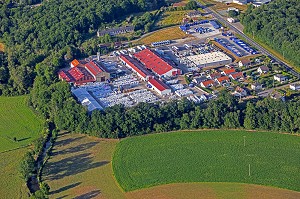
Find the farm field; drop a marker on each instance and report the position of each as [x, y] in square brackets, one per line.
[208, 156]
[11, 183]
[211, 190]
[171, 33]
[80, 167]
[17, 120]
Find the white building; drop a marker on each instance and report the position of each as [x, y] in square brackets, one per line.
[84, 97]
[231, 20]
[210, 59]
[295, 87]
[159, 87]
[280, 78]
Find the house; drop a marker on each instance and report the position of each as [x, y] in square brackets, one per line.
[160, 87]
[214, 75]
[207, 83]
[195, 13]
[256, 86]
[240, 2]
[74, 63]
[198, 80]
[228, 71]
[222, 80]
[179, 4]
[240, 92]
[295, 87]
[280, 78]
[263, 70]
[77, 75]
[277, 95]
[116, 31]
[236, 76]
[244, 62]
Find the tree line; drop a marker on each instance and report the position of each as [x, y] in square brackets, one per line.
[57, 104]
[277, 25]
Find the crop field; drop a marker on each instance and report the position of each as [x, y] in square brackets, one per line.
[11, 183]
[80, 167]
[208, 156]
[17, 120]
[171, 33]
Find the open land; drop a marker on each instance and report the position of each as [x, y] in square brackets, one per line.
[17, 120]
[11, 184]
[164, 34]
[80, 167]
[208, 156]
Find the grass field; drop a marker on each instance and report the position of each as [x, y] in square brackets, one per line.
[208, 156]
[80, 167]
[11, 184]
[17, 120]
[171, 33]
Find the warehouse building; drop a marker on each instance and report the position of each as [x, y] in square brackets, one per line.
[158, 86]
[85, 98]
[156, 64]
[136, 67]
[97, 71]
[210, 59]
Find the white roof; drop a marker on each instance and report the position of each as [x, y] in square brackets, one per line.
[86, 99]
[208, 58]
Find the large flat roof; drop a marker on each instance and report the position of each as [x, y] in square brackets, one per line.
[209, 58]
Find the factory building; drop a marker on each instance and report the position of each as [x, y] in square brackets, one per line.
[210, 59]
[159, 87]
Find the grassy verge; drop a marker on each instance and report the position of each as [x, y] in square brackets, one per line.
[208, 156]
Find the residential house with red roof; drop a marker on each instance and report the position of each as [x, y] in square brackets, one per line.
[136, 67]
[160, 87]
[214, 75]
[236, 76]
[222, 80]
[77, 75]
[156, 64]
[207, 83]
[228, 71]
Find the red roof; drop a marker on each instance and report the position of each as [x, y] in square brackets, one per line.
[76, 73]
[93, 68]
[158, 84]
[229, 71]
[237, 75]
[135, 65]
[75, 62]
[224, 78]
[65, 75]
[208, 82]
[153, 62]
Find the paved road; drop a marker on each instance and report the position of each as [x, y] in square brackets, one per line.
[251, 41]
[266, 93]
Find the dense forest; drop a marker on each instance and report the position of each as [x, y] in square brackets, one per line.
[36, 38]
[278, 25]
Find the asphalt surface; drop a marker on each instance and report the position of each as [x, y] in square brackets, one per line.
[250, 41]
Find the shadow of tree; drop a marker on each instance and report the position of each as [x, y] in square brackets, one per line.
[70, 186]
[75, 149]
[67, 141]
[61, 197]
[71, 166]
[88, 195]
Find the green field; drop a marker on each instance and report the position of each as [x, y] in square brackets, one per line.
[11, 184]
[17, 120]
[208, 156]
